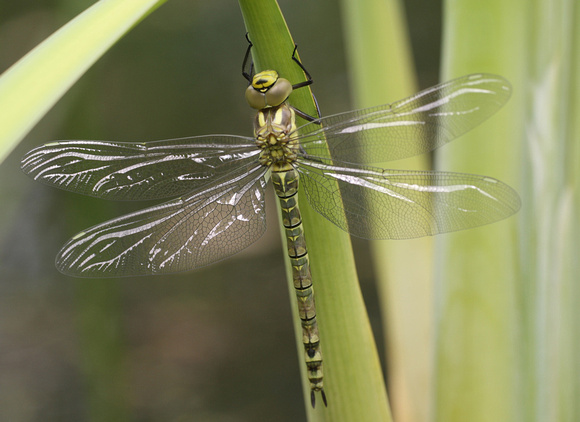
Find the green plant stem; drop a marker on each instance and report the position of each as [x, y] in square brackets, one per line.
[478, 343]
[550, 240]
[381, 69]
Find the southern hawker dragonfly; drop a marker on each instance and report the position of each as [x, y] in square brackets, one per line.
[219, 180]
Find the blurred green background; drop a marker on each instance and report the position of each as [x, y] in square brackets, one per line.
[215, 343]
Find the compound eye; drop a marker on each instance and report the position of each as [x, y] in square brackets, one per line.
[256, 99]
[278, 93]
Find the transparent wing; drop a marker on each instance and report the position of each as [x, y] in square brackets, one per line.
[408, 127]
[393, 204]
[137, 171]
[210, 224]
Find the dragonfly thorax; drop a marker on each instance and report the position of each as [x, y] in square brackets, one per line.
[275, 132]
[267, 90]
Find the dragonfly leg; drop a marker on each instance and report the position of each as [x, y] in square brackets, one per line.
[309, 157]
[248, 74]
[307, 116]
[308, 81]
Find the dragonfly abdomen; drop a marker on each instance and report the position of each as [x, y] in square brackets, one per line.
[286, 187]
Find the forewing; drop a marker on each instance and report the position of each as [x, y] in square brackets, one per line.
[210, 224]
[393, 204]
[408, 127]
[137, 171]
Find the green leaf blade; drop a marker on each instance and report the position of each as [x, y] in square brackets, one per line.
[37, 81]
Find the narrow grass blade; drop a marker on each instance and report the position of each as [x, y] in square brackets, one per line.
[37, 81]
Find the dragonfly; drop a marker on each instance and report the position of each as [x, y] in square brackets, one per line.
[217, 184]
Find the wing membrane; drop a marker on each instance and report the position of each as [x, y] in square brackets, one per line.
[409, 127]
[400, 204]
[137, 171]
[208, 225]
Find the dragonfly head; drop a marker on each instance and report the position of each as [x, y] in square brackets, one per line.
[267, 90]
